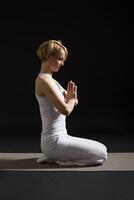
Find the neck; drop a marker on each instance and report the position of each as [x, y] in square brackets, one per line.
[45, 69]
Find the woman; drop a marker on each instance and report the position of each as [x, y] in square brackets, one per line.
[55, 104]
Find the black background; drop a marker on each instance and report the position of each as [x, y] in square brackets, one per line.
[99, 38]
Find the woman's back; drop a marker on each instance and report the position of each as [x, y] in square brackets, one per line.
[53, 122]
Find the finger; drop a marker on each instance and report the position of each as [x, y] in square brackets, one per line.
[68, 86]
[72, 86]
[75, 89]
[72, 82]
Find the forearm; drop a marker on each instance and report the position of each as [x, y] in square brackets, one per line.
[70, 106]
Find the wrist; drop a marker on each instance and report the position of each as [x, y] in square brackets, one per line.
[71, 101]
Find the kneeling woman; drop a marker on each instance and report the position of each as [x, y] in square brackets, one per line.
[55, 104]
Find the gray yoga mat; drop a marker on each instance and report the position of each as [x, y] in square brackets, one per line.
[28, 162]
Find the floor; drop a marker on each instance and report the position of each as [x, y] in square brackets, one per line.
[67, 185]
[72, 185]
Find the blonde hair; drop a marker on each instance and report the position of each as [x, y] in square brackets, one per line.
[50, 47]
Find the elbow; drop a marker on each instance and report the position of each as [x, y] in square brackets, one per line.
[66, 111]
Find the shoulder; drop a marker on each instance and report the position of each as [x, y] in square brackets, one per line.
[41, 79]
[45, 83]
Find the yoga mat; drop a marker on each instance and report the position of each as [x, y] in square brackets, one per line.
[28, 162]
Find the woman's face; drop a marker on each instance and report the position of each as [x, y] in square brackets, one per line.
[57, 60]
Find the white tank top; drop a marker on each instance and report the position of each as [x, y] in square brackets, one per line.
[53, 122]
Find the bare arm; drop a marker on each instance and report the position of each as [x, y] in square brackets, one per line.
[47, 87]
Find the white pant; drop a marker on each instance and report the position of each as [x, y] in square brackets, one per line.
[69, 150]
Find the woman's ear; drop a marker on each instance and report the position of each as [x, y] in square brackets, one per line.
[48, 56]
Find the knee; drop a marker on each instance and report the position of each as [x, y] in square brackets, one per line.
[103, 156]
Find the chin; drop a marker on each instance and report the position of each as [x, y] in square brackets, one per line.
[56, 70]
